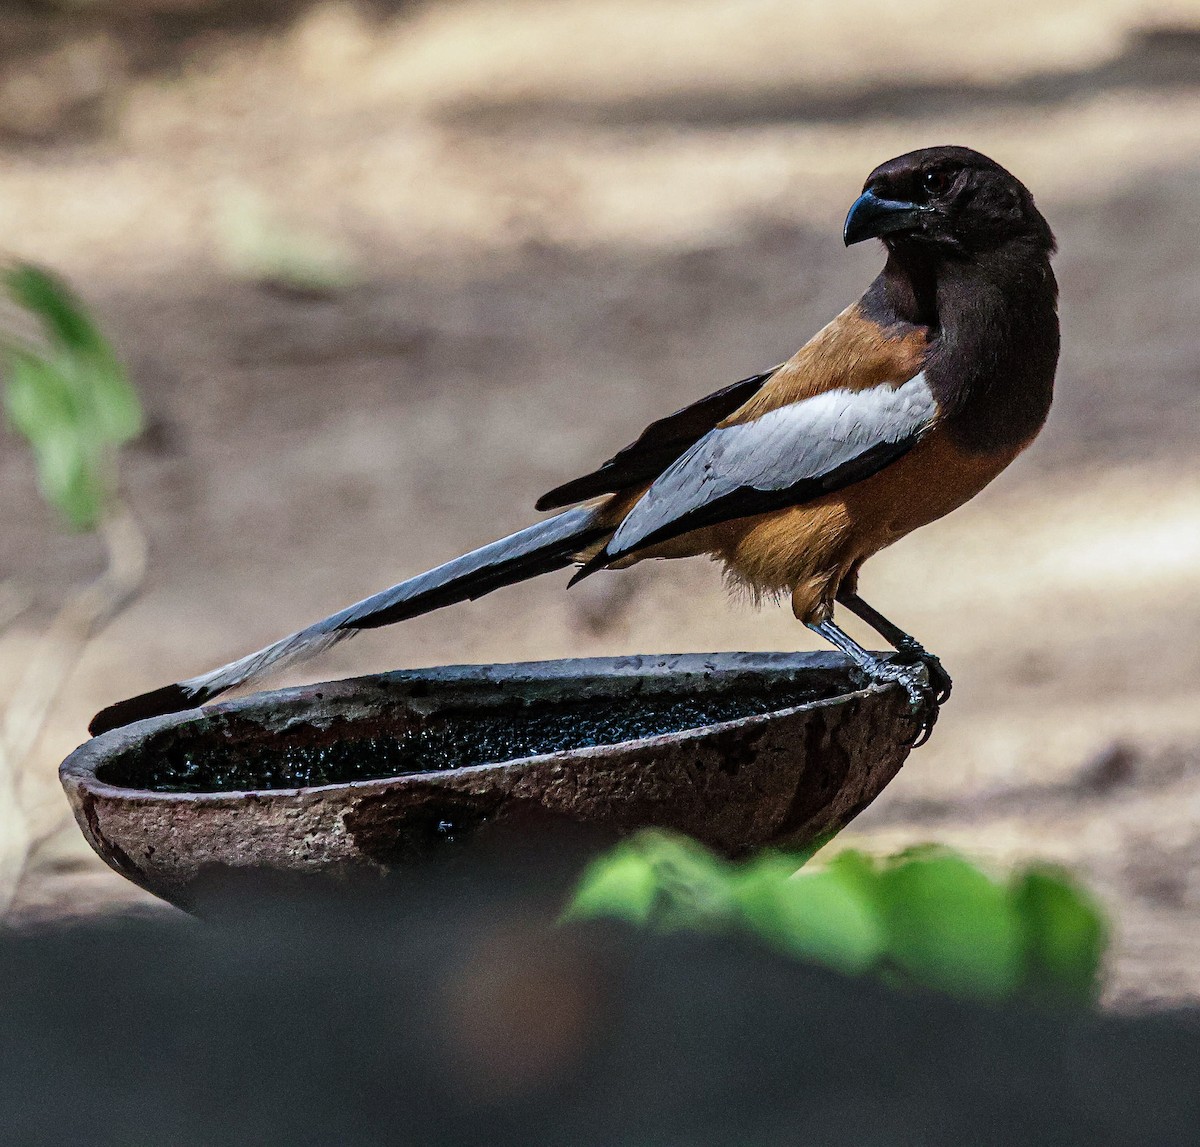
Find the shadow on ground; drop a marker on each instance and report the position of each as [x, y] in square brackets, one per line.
[1153, 59]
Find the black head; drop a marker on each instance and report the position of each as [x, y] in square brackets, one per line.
[946, 197]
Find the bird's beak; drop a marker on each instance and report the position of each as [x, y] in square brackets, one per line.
[871, 217]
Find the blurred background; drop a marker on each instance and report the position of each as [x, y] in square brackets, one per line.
[385, 272]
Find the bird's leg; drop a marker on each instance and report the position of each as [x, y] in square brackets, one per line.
[904, 643]
[912, 675]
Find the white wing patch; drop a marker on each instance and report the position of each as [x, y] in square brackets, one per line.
[801, 442]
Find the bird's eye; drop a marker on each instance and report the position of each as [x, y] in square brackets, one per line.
[935, 182]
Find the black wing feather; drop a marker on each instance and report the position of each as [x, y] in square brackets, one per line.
[658, 445]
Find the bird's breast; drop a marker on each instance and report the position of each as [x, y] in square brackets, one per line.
[936, 476]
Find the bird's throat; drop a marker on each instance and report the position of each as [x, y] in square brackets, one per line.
[906, 290]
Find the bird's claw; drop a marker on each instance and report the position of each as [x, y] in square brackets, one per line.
[925, 697]
[939, 680]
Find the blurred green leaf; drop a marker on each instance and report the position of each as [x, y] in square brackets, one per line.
[949, 925]
[47, 297]
[1065, 935]
[695, 887]
[71, 400]
[117, 409]
[60, 462]
[926, 916]
[36, 399]
[68, 477]
[857, 869]
[660, 879]
[823, 914]
[620, 886]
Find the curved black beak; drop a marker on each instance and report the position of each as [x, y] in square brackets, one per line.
[871, 217]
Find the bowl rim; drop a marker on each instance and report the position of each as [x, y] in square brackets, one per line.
[79, 769]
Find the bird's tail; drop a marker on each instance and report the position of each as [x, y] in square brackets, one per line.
[549, 545]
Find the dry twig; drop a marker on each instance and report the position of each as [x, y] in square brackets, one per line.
[56, 654]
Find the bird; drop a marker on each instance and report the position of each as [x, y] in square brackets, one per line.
[901, 409]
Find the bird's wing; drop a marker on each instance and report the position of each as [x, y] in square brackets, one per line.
[657, 446]
[852, 351]
[788, 455]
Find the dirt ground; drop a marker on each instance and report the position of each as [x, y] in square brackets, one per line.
[538, 225]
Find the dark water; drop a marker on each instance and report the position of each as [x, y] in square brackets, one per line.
[447, 740]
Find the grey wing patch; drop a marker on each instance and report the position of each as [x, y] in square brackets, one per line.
[657, 446]
[788, 456]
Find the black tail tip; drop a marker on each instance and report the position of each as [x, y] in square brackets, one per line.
[157, 703]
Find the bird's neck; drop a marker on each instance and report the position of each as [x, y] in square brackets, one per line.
[920, 286]
[992, 324]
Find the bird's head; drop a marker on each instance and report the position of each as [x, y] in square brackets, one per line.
[951, 198]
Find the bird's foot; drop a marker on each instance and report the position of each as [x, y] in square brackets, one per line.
[912, 652]
[924, 695]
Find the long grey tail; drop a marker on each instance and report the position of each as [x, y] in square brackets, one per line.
[541, 548]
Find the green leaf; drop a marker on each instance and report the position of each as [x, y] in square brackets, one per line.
[950, 926]
[660, 879]
[71, 401]
[60, 460]
[1065, 935]
[69, 478]
[62, 315]
[695, 887]
[926, 916]
[117, 409]
[621, 886]
[37, 400]
[857, 868]
[824, 914]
